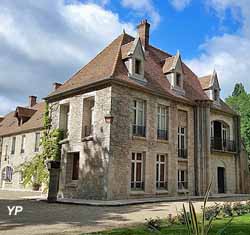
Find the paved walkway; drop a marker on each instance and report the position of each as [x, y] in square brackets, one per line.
[39, 217]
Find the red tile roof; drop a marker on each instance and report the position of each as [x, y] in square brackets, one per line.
[9, 126]
[206, 81]
[109, 64]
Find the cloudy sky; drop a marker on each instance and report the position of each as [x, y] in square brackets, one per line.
[45, 41]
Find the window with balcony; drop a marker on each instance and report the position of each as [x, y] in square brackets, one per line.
[23, 143]
[161, 172]
[162, 120]
[139, 118]
[182, 142]
[220, 137]
[88, 116]
[137, 171]
[64, 119]
[182, 179]
[37, 141]
[7, 174]
[13, 145]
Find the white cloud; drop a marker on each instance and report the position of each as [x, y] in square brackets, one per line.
[46, 41]
[228, 53]
[144, 7]
[179, 5]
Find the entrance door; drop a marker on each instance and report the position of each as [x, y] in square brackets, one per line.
[221, 180]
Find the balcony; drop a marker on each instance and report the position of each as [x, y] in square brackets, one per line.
[182, 153]
[162, 134]
[139, 131]
[219, 144]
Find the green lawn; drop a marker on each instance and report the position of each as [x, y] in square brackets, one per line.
[239, 226]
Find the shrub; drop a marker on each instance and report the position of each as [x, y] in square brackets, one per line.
[212, 211]
[154, 224]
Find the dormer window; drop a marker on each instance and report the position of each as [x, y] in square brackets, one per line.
[178, 79]
[216, 94]
[138, 66]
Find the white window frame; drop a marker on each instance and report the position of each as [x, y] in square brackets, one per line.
[160, 163]
[137, 109]
[135, 161]
[182, 135]
[162, 112]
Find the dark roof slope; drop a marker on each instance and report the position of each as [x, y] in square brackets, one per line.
[9, 126]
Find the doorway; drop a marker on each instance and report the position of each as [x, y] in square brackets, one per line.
[221, 179]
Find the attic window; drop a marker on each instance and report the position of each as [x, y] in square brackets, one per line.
[137, 66]
[178, 79]
[216, 94]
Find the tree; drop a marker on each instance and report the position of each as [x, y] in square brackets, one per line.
[240, 102]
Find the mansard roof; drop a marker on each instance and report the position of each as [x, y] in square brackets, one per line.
[10, 126]
[109, 65]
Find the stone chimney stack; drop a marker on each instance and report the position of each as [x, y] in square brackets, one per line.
[56, 85]
[32, 101]
[143, 30]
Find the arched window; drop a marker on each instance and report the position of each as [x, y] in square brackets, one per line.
[7, 174]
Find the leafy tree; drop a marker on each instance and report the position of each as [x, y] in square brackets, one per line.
[240, 102]
[35, 171]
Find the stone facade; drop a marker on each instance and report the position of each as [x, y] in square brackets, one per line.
[18, 157]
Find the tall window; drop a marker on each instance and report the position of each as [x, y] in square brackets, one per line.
[137, 171]
[6, 153]
[182, 179]
[64, 119]
[178, 79]
[182, 142]
[139, 119]
[88, 116]
[75, 167]
[162, 120]
[161, 171]
[23, 143]
[13, 145]
[7, 174]
[37, 142]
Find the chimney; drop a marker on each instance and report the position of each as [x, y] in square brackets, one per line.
[143, 31]
[32, 101]
[56, 85]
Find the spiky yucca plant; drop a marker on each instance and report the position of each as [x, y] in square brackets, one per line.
[191, 221]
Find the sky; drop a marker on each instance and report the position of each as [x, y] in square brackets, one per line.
[44, 41]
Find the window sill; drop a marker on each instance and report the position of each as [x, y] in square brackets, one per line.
[135, 137]
[137, 192]
[87, 138]
[163, 141]
[161, 191]
[222, 151]
[64, 141]
[183, 191]
[72, 184]
[182, 159]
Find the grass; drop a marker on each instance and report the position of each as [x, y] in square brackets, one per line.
[239, 226]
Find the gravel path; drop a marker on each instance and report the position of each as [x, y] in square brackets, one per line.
[39, 217]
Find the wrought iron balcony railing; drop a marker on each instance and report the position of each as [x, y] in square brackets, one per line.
[139, 131]
[225, 145]
[162, 134]
[182, 153]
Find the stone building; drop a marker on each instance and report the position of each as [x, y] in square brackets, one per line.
[20, 133]
[139, 123]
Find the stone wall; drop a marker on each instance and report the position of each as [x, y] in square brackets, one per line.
[18, 158]
[93, 150]
[123, 143]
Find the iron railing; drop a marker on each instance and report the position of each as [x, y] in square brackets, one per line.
[182, 153]
[139, 131]
[224, 145]
[162, 134]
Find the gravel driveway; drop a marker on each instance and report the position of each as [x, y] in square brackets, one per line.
[39, 217]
